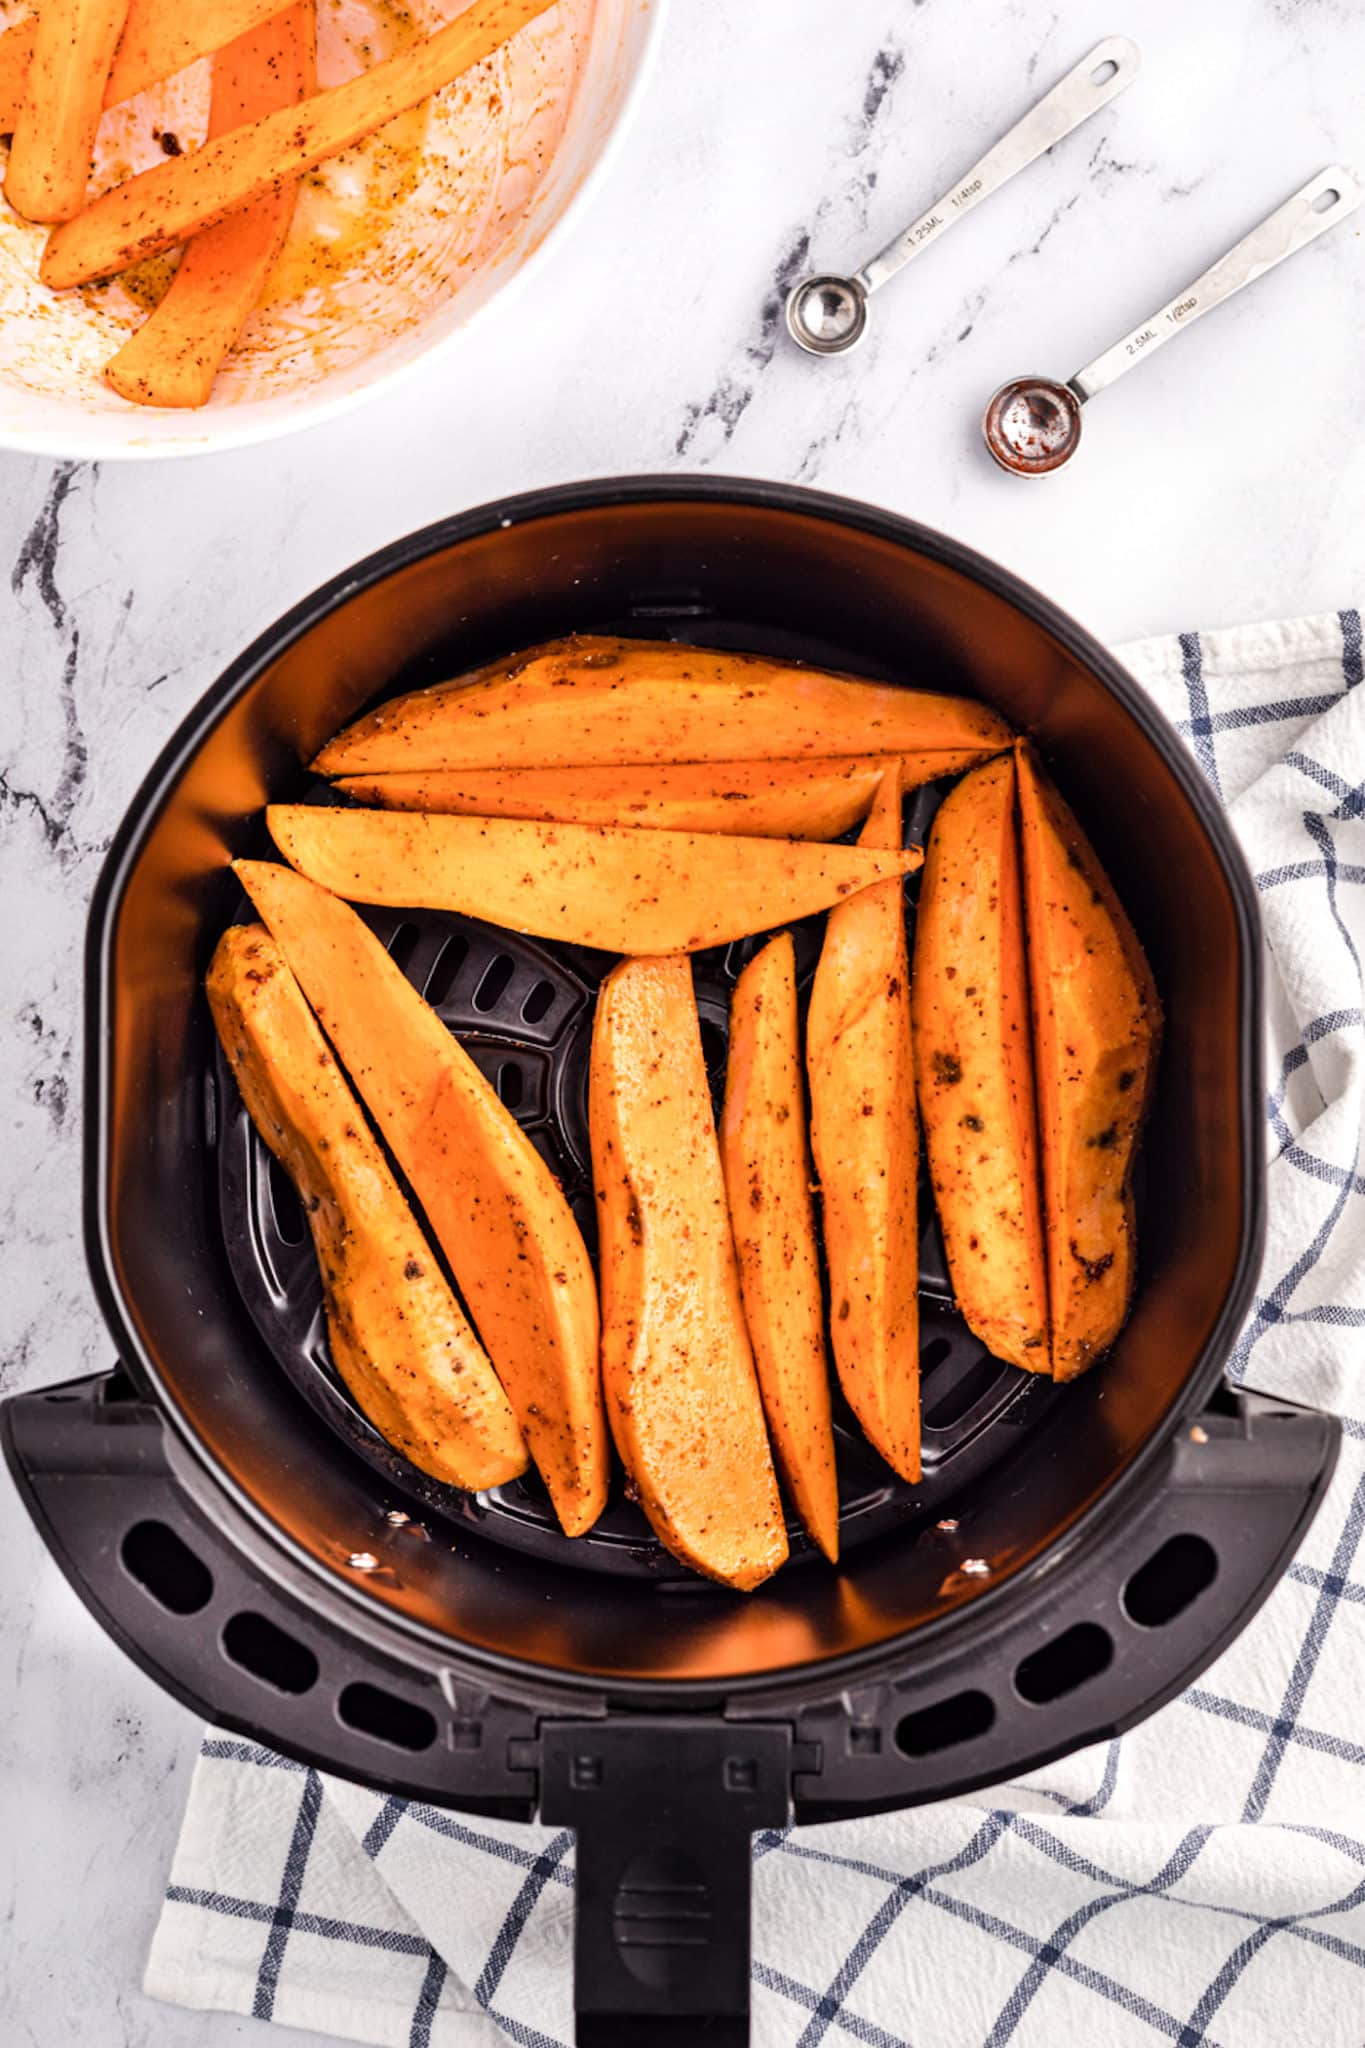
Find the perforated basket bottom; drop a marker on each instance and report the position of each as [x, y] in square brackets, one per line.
[523, 1011]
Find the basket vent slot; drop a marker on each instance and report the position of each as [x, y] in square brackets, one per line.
[511, 1086]
[539, 1003]
[164, 1566]
[934, 1354]
[448, 963]
[1078, 1654]
[371, 1711]
[277, 1659]
[960, 1718]
[491, 988]
[1173, 1577]
[962, 1386]
[403, 945]
[287, 1210]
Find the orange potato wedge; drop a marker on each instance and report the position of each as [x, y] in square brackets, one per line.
[177, 199]
[493, 1205]
[677, 1369]
[1096, 1029]
[54, 135]
[177, 352]
[593, 885]
[160, 37]
[811, 799]
[398, 1336]
[768, 1181]
[974, 1066]
[865, 1137]
[592, 702]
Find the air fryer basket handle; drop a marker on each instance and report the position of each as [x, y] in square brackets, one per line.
[228, 1624]
[1106, 1634]
[665, 1811]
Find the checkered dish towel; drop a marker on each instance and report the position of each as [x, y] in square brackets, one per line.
[1201, 1880]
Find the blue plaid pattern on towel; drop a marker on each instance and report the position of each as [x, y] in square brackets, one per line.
[1200, 1882]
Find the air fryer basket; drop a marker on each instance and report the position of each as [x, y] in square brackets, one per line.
[1072, 1556]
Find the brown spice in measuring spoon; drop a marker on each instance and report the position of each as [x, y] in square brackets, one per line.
[1033, 425]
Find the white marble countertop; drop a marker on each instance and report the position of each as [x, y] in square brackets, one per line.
[1224, 483]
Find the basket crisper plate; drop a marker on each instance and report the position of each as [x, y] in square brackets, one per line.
[522, 1009]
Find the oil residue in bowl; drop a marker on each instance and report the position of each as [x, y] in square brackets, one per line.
[347, 205]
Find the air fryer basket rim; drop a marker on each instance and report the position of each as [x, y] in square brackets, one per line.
[527, 508]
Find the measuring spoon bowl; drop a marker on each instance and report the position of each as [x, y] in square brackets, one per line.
[1033, 425]
[827, 314]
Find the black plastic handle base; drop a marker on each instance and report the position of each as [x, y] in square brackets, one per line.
[665, 1810]
[230, 1627]
[665, 1805]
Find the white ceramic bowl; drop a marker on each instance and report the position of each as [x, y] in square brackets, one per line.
[418, 229]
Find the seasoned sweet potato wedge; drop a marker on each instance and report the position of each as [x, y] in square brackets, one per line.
[866, 1143]
[174, 357]
[810, 799]
[1096, 1026]
[767, 1178]
[676, 1364]
[54, 134]
[159, 38]
[974, 1065]
[593, 885]
[597, 702]
[397, 1334]
[494, 1207]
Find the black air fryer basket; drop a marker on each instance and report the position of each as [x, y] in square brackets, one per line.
[1073, 1556]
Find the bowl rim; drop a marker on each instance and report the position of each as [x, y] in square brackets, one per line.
[58, 445]
[527, 508]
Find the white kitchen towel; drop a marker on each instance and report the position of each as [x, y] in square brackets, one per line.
[1201, 1880]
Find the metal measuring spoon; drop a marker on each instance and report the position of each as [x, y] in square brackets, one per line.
[1033, 424]
[827, 314]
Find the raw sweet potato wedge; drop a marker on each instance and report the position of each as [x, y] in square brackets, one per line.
[677, 1369]
[173, 358]
[493, 1205]
[768, 1181]
[592, 885]
[397, 1334]
[175, 200]
[1096, 1027]
[54, 134]
[865, 1138]
[974, 1066]
[809, 799]
[160, 37]
[591, 701]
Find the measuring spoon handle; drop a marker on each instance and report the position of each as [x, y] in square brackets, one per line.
[1111, 66]
[1323, 201]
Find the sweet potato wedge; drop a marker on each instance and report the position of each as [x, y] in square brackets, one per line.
[811, 799]
[54, 135]
[767, 1178]
[593, 885]
[492, 1203]
[177, 199]
[160, 37]
[1096, 1027]
[677, 1369]
[174, 356]
[397, 1334]
[866, 1142]
[974, 1066]
[595, 702]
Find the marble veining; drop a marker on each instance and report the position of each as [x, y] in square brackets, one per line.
[1224, 482]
